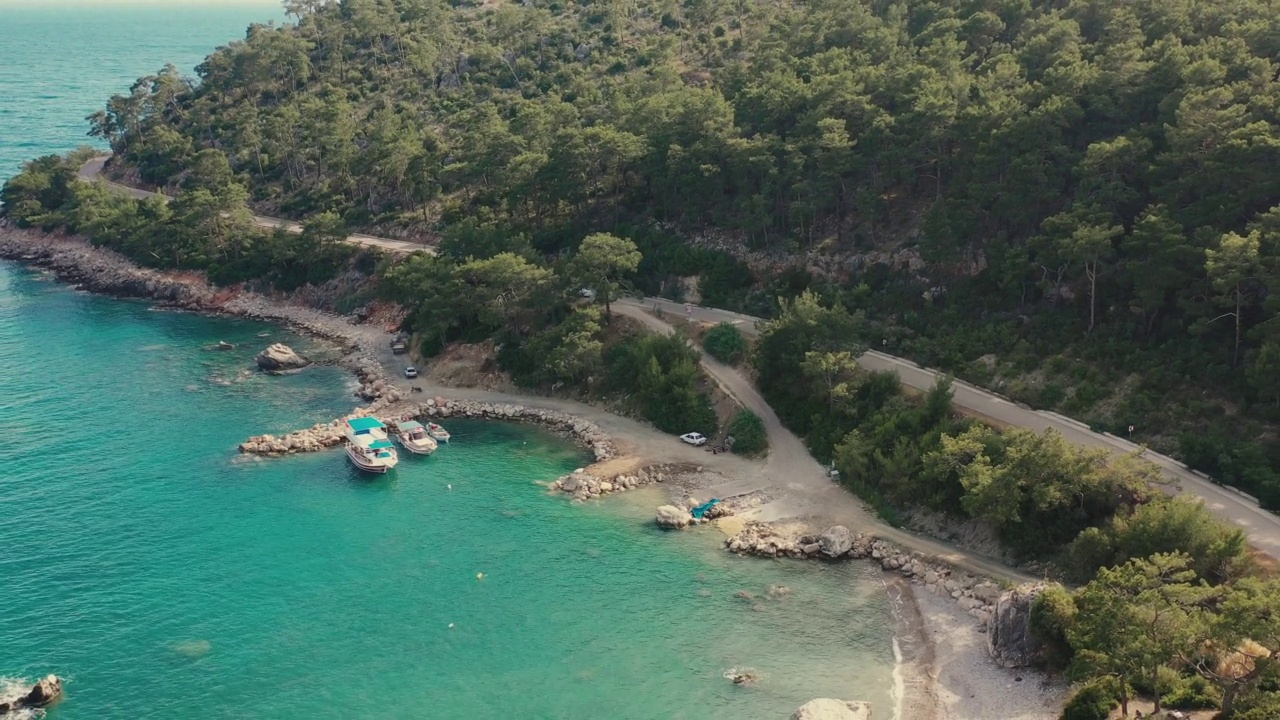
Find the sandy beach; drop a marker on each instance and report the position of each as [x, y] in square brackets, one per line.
[944, 670]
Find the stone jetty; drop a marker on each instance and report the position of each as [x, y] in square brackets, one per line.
[583, 485]
[979, 596]
[388, 408]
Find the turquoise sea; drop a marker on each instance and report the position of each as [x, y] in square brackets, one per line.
[167, 577]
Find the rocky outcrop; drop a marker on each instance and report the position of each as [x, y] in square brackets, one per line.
[836, 541]
[388, 407]
[1010, 640]
[673, 518]
[278, 358]
[975, 595]
[829, 709]
[43, 693]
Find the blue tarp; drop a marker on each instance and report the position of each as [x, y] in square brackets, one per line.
[702, 509]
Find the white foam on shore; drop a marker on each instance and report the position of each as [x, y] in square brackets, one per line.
[12, 689]
[899, 691]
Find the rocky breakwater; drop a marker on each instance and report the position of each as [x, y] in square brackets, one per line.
[978, 596]
[582, 485]
[388, 407]
[43, 693]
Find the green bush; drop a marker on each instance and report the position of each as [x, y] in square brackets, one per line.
[1192, 693]
[1093, 701]
[749, 436]
[725, 343]
[1052, 614]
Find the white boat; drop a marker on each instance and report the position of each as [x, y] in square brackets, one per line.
[413, 436]
[437, 432]
[368, 447]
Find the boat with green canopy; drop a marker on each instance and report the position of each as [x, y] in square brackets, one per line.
[368, 447]
[413, 436]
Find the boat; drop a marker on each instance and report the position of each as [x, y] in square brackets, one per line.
[437, 432]
[413, 436]
[368, 447]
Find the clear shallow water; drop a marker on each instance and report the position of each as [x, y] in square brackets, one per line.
[60, 60]
[169, 578]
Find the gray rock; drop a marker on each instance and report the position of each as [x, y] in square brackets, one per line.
[836, 541]
[43, 692]
[673, 518]
[830, 709]
[279, 357]
[1010, 640]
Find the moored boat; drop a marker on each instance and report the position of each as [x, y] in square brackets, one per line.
[437, 432]
[368, 447]
[413, 436]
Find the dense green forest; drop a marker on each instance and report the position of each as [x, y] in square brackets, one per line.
[1087, 188]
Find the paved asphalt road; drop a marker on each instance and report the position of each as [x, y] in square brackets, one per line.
[1262, 527]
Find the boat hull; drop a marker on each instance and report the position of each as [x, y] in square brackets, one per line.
[415, 448]
[364, 465]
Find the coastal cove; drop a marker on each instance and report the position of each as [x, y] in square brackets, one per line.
[144, 552]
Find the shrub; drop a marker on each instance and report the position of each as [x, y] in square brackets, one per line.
[1052, 614]
[749, 436]
[1093, 701]
[1192, 693]
[725, 343]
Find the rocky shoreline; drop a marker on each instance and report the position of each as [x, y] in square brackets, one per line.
[76, 262]
[1002, 615]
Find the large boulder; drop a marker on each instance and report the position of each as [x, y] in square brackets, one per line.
[1009, 638]
[836, 541]
[279, 357]
[829, 709]
[44, 692]
[673, 518]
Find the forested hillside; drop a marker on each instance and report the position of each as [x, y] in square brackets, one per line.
[1091, 187]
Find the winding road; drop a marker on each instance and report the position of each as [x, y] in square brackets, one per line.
[1237, 508]
[791, 466]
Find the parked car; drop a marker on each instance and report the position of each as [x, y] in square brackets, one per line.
[694, 438]
[399, 347]
[411, 372]
[587, 293]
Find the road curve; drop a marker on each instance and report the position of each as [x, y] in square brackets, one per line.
[92, 172]
[810, 493]
[1261, 527]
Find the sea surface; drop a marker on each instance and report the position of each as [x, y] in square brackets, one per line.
[61, 59]
[167, 577]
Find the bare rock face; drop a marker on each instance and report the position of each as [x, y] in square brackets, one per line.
[279, 357]
[836, 541]
[1009, 639]
[829, 709]
[44, 692]
[673, 518]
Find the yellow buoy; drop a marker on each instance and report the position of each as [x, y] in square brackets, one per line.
[479, 576]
